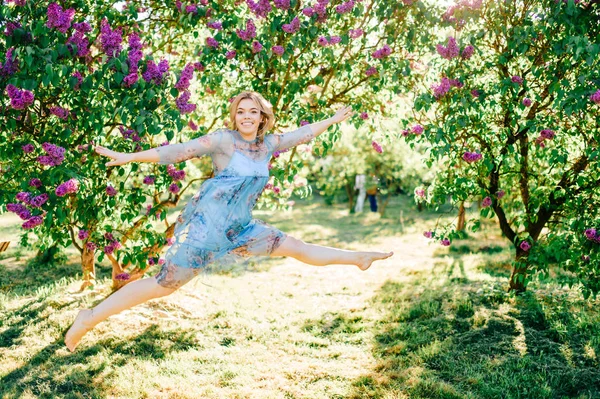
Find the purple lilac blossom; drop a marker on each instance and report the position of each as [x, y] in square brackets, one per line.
[377, 147]
[471, 157]
[59, 19]
[249, 33]
[110, 40]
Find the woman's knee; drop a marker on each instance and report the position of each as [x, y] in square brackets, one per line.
[291, 247]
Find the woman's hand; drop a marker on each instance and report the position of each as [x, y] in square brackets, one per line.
[342, 114]
[120, 158]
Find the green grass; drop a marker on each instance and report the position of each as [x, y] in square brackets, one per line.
[431, 322]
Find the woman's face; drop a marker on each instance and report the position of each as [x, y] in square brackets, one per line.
[247, 117]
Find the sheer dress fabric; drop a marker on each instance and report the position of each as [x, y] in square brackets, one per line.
[215, 230]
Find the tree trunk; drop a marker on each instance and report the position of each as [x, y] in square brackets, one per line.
[384, 204]
[460, 226]
[518, 277]
[350, 193]
[88, 267]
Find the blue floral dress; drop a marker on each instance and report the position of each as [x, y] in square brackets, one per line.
[216, 229]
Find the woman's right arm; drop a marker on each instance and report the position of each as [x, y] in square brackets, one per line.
[167, 154]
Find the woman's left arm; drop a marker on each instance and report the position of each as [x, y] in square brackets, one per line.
[308, 132]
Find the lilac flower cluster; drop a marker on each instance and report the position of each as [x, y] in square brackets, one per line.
[32, 222]
[122, 276]
[175, 174]
[371, 71]
[500, 194]
[215, 25]
[10, 28]
[487, 201]
[278, 50]
[249, 33]
[594, 97]
[525, 246]
[56, 155]
[282, 4]
[20, 210]
[78, 38]
[192, 125]
[377, 147]
[517, 79]
[59, 18]
[10, 64]
[77, 75]
[321, 9]
[527, 102]
[545, 134]
[364, 115]
[355, 33]
[83, 234]
[155, 73]
[467, 52]
[27, 148]
[256, 47]
[471, 157]
[428, 234]
[382, 52]
[230, 54]
[110, 40]
[113, 244]
[61, 112]
[456, 83]
[445, 242]
[292, 27]
[149, 180]
[183, 105]
[420, 192]
[261, 8]
[441, 89]
[35, 183]
[592, 235]
[111, 191]
[449, 51]
[174, 188]
[191, 9]
[19, 99]
[212, 42]
[91, 246]
[345, 8]
[417, 130]
[134, 56]
[184, 80]
[68, 187]
[458, 7]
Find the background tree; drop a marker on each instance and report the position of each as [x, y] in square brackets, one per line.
[513, 112]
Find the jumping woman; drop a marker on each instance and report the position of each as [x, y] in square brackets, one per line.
[217, 225]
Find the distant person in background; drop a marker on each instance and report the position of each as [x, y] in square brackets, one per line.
[359, 184]
[372, 185]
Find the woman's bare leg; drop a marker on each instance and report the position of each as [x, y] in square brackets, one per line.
[318, 255]
[130, 295]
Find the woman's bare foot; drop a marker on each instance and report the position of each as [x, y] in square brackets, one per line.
[366, 258]
[78, 329]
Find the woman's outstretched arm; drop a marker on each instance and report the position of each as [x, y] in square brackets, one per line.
[308, 132]
[167, 154]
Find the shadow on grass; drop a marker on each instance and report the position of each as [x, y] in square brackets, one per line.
[51, 374]
[475, 341]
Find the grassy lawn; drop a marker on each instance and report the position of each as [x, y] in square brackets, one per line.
[430, 322]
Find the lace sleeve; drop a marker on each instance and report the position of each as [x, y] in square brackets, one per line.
[291, 139]
[204, 145]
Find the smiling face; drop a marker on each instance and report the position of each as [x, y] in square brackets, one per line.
[248, 117]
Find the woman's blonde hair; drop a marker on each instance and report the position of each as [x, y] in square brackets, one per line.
[266, 112]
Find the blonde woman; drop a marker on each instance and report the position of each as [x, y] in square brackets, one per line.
[216, 225]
